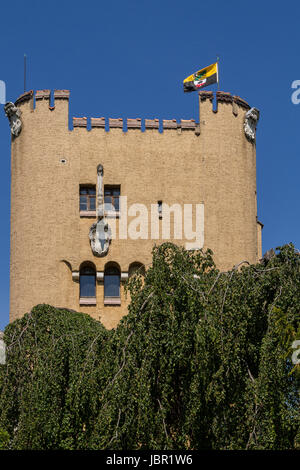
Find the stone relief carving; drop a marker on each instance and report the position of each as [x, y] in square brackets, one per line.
[250, 123]
[100, 232]
[100, 237]
[14, 116]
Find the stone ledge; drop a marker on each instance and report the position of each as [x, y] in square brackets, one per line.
[118, 123]
[169, 124]
[87, 301]
[134, 123]
[188, 124]
[112, 301]
[112, 214]
[75, 275]
[61, 94]
[87, 213]
[151, 123]
[41, 94]
[79, 122]
[98, 122]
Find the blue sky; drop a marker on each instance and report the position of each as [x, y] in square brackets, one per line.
[128, 59]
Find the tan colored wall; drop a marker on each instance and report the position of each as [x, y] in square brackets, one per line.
[259, 240]
[48, 237]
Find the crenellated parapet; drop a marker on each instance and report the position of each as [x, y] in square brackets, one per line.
[208, 109]
[98, 122]
[238, 105]
[151, 123]
[206, 95]
[170, 124]
[61, 94]
[134, 123]
[79, 122]
[40, 95]
[224, 97]
[221, 96]
[24, 98]
[118, 123]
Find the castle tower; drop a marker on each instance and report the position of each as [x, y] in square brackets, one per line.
[61, 253]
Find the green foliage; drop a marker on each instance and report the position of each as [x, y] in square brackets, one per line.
[4, 439]
[202, 361]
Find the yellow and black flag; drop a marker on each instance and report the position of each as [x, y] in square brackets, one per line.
[202, 78]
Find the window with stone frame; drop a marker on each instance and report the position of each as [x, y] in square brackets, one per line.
[87, 198]
[136, 268]
[112, 282]
[111, 198]
[87, 282]
[112, 285]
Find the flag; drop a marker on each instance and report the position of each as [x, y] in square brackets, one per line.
[202, 78]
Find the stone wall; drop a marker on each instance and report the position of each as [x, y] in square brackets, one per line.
[211, 162]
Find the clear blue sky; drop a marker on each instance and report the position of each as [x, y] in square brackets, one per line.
[128, 59]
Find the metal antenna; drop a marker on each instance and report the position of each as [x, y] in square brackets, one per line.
[25, 72]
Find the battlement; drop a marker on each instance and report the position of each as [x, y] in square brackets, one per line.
[28, 95]
[224, 96]
[118, 123]
[41, 99]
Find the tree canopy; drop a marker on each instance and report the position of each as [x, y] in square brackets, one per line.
[201, 361]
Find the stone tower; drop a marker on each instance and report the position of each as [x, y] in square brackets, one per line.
[61, 179]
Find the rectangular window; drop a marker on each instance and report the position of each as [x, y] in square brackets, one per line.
[111, 198]
[87, 198]
[87, 286]
[112, 281]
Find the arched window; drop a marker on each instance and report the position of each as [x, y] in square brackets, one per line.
[87, 282]
[112, 282]
[136, 268]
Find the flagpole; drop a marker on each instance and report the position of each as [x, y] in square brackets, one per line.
[24, 73]
[218, 60]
